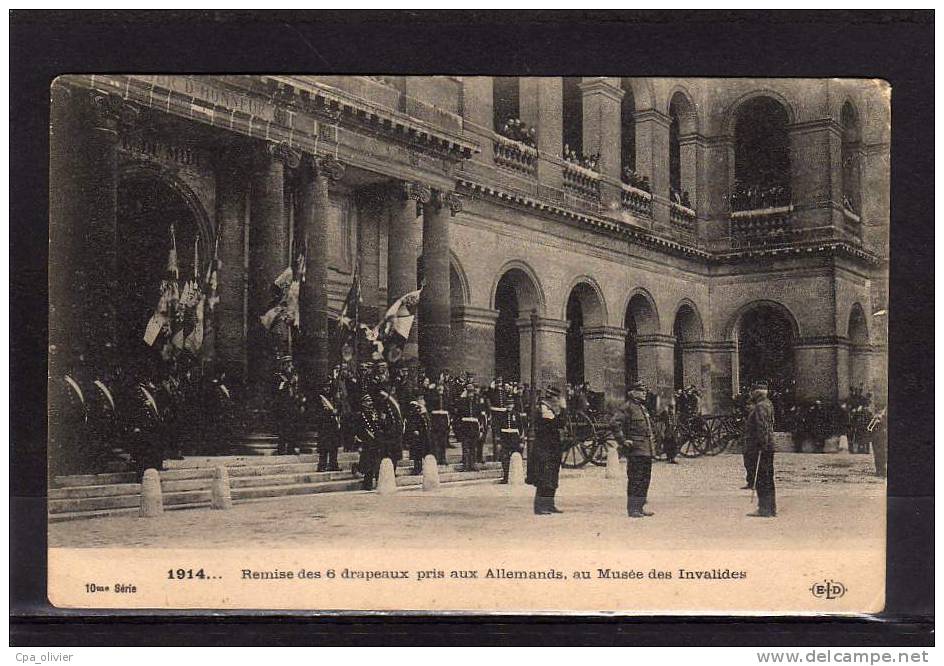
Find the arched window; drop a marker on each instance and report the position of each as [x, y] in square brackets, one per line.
[761, 156]
[572, 118]
[627, 128]
[506, 105]
[681, 166]
[850, 159]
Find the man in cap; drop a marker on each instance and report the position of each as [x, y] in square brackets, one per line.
[632, 428]
[759, 437]
[544, 459]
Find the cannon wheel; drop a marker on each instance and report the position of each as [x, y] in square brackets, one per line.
[581, 436]
[692, 438]
[598, 456]
[721, 432]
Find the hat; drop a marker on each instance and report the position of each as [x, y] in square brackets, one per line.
[760, 386]
[637, 386]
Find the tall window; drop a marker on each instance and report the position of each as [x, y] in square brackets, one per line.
[627, 127]
[675, 159]
[505, 100]
[850, 159]
[573, 115]
[761, 156]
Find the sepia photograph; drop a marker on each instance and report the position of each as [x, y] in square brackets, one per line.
[518, 344]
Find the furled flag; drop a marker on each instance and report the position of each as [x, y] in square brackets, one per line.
[166, 310]
[392, 333]
[286, 289]
[348, 323]
[193, 305]
[211, 289]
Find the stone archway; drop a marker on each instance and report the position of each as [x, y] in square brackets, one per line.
[149, 205]
[688, 332]
[515, 296]
[766, 335]
[647, 352]
[585, 312]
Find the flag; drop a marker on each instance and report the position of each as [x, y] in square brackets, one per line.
[392, 333]
[166, 311]
[211, 289]
[349, 321]
[286, 290]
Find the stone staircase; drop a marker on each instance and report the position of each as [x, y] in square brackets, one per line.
[185, 484]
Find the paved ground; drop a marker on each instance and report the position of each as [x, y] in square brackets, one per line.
[821, 498]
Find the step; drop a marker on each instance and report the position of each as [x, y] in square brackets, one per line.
[108, 490]
[73, 480]
[79, 504]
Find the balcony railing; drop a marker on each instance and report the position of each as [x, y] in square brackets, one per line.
[581, 180]
[515, 155]
[682, 216]
[761, 226]
[636, 200]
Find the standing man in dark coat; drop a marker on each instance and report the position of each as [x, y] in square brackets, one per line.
[759, 436]
[544, 459]
[750, 451]
[416, 431]
[633, 431]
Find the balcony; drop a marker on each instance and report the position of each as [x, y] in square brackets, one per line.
[682, 216]
[636, 201]
[581, 181]
[516, 156]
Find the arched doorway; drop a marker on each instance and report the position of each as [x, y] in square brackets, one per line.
[584, 308]
[516, 296]
[148, 206]
[766, 335]
[687, 330]
[761, 155]
[858, 334]
[641, 319]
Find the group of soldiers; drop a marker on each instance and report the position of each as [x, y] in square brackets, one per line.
[381, 411]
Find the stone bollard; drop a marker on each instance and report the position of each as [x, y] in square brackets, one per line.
[843, 443]
[386, 480]
[613, 469]
[152, 501]
[516, 470]
[430, 473]
[220, 496]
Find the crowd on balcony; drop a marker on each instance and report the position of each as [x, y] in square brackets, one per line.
[633, 179]
[591, 162]
[681, 198]
[758, 197]
[518, 130]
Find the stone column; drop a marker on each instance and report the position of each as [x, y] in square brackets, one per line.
[313, 212]
[268, 252]
[697, 369]
[541, 101]
[405, 202]
[816, 360]
[815, 172]
[692, 150]
[472, 340]
[604, 352]
[551, 352]
[718, 360]
[95, 201]
[716, 185]
[435, 307]
[652, 158]
[601, 130]
[655, 357]
[478, 111]
[371, 219]
[232, 187]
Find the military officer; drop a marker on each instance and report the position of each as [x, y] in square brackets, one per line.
[416, 431]
[438, 404]
[366, 426]
[632, 428]
[468, 409]
[496, 399]
[510, 432]
[329, 432]
[759, 436]
[544, 459]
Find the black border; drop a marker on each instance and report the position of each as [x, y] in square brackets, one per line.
[896, 46]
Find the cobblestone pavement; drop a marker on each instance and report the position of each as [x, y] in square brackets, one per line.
[821, 499]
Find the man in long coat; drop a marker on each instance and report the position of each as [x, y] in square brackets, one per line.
[544, 459]
[632, 427]
[759, 436]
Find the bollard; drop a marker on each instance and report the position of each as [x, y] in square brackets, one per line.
[613, 469]
[430, 473]
[843, 443]
[152, 501]
[386, 480]
[516, 470]
[220, 496]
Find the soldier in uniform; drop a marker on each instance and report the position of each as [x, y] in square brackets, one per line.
[290, 407]
[366, 426]
[468, 408]
[497, 402]
[544, 459]
[510, 431]
[670, 437]
[329, 432]
[438, 403]
[759, 437]
[632, 428]
[391, 418]
[416, 431]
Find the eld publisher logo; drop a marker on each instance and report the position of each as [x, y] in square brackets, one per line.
[828, 589]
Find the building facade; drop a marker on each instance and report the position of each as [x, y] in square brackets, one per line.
[701, 232]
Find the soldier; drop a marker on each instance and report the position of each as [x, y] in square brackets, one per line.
[759, 437]
[633, 431]
[468, 409]
[329, 432]
[670, 436]
[496, 400]
[417, 431]
[290, 407]
[510, 431]
[437, 401]
[544, 459]
[391, 420]
[366, 425]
